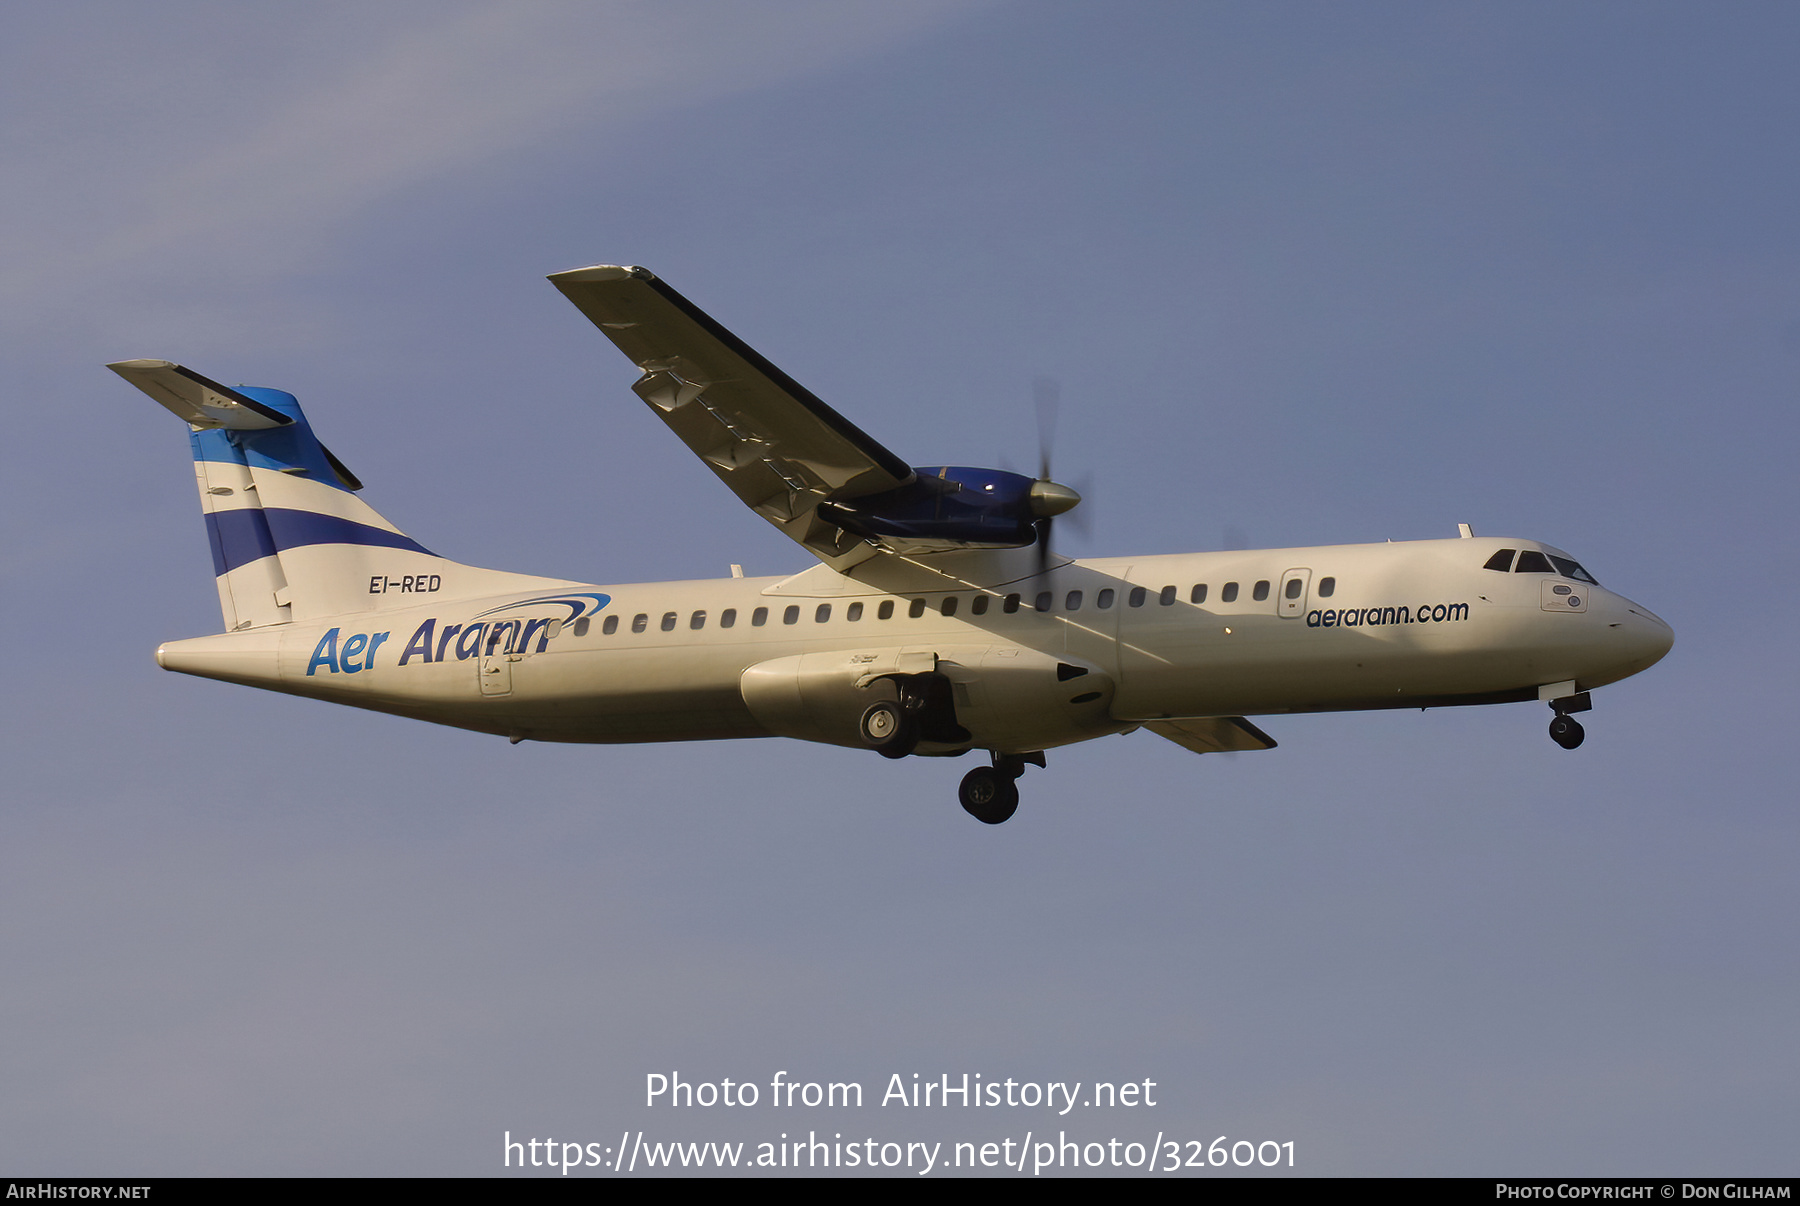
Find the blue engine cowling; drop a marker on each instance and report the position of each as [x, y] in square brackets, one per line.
[948, 506]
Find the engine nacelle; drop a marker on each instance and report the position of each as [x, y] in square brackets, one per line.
[951, 507]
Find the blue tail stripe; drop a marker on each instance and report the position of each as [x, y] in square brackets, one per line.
[238, 538]
[242, 536]
[284, 449]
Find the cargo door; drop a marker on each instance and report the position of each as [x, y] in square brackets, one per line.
[497, 657]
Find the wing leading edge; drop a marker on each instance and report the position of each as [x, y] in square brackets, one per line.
[777, 446]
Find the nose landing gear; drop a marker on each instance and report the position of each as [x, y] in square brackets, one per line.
[1565, 730]
[990, 794]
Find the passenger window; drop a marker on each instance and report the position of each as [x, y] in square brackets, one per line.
[1327, 587]
[917, 609]
[697, 621]
[949, 605]
[1501, 561]
[668, 621]
[853, 612]
[1010, 605]
[1043, 600]
[1260, 591]
[1292, 590]
[822, 614]
[791, 615]
[611, 626]
[1073, 601]
[581, 626]
[979, 606]
[639, 622]
[1533, 562]
[1167, 596]
[1198, 594]
[886, 610]
[1136, 597]
[1229, 594]
[1104, 599]
[759, 617]
[728, 617]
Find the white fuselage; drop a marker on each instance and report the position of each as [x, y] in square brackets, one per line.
[1086, 648]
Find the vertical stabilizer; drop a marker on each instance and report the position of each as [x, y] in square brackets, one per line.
[290, 539]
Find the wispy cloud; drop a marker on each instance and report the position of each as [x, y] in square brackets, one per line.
[251, 147]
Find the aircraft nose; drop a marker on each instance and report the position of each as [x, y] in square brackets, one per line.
[1648, 634]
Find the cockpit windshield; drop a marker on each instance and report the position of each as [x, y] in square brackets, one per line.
[1533, 562]
[1571, 569]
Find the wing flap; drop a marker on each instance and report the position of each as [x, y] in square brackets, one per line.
[1212, 734]
[779, 448]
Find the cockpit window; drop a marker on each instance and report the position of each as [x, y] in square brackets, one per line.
[1533, 562]
[1501, 561]
[1570, 569]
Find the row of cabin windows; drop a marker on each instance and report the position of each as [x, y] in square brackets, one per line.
[1045, 600]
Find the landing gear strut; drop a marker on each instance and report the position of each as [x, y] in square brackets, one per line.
[990, 794]
[1565, 730]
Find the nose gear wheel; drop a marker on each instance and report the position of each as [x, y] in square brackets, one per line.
[989, 795]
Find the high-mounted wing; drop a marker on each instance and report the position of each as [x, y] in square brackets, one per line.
[778, 447]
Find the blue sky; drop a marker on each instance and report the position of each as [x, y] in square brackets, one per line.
[1305, 273]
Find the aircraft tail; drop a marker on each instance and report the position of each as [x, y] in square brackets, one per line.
[291, 541]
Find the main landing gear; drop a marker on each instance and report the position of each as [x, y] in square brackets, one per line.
[1565, 730]
[925, 711]
[888, 730]
[990, 794]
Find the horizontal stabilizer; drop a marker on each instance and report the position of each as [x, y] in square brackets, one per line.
[196, 400]
[1213, 734]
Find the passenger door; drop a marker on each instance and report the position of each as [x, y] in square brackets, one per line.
[1296, 586]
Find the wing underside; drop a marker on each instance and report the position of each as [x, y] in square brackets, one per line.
[777, 446]
[1212, 734]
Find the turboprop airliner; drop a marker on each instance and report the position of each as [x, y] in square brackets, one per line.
[938, 620]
